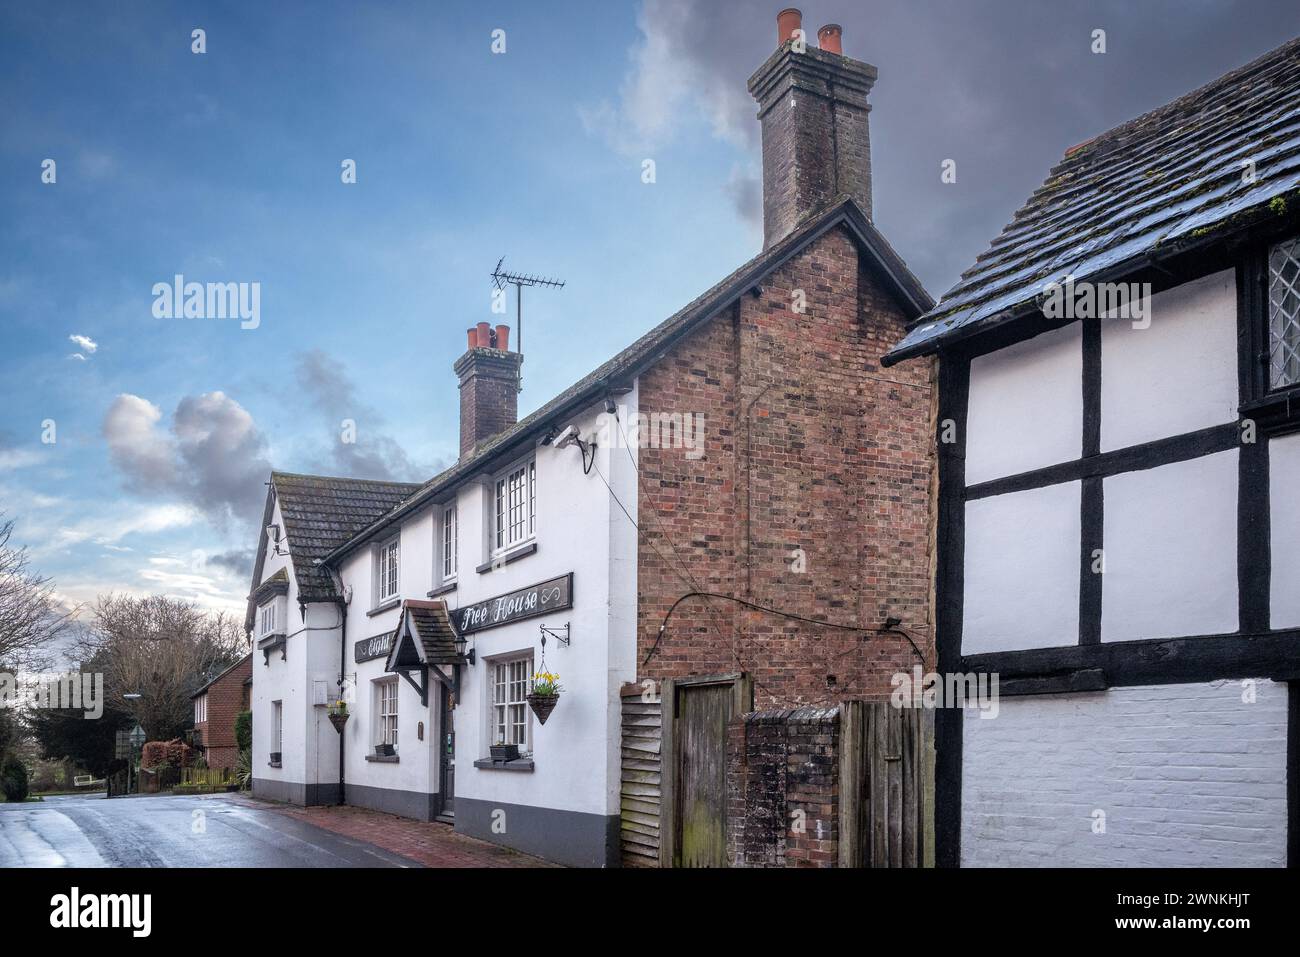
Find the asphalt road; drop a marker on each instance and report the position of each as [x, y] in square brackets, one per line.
[167, 831]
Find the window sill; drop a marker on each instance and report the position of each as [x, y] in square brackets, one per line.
[445, 589]
[519, 764]
[520, 551]
[383, 758]
[384, 606]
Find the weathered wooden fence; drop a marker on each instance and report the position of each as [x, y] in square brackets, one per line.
[886, 773]
[641, 778]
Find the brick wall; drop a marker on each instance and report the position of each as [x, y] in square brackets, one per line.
[783, 788]
[810, 446]
[226, 698]
[1181, 775]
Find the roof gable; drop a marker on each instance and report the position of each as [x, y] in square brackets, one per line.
[1160, 184]
[319, 513]
[626, 365]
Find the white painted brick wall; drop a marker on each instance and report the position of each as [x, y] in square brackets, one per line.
[1187, 775]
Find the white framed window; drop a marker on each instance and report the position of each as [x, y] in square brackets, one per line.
[386, 712]
[510, 679]
[387, 581]
[515, 506]
[449, 545]
[1284, 314]
[201, 709]
[268, 618]
[277, 726]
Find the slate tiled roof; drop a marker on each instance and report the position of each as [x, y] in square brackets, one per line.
[437, 636]
[320, 513]
[1167, 181]
[843, 211]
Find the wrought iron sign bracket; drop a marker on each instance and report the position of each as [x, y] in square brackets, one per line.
[559, 634]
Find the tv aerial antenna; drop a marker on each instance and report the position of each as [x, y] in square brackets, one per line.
[501, 279]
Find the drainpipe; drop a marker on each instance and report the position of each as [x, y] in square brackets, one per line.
[343, 601]
[343, 661]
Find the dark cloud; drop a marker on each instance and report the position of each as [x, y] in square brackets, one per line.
[374, 454]
[213, 457]
[238, 561]
[1004, 89]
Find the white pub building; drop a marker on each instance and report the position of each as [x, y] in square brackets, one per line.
[439, 597]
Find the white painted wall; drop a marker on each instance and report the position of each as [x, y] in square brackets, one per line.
[309, 755]
[1026, 406]
[1284, 516]
[1022, 570]
[579, 529]
[1187, 776]
[1171, 550]
[1176, 376]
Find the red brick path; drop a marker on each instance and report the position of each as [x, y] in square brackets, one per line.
[431, 844]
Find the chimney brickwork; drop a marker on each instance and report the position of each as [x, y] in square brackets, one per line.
[813, 108]
[489, 387]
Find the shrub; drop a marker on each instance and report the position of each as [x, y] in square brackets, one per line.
[244, 769]
[13, 779]
[244, 731]
[165, 754]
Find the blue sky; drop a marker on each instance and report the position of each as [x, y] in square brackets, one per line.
[225, 167]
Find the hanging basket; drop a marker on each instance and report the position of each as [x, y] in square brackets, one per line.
[543, 705]
[339, 720]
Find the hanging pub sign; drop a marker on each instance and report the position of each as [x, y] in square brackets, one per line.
[540, 599]
[367, 649]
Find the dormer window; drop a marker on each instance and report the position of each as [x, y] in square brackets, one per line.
[386, 571]
[270, 618]
[1284, 314]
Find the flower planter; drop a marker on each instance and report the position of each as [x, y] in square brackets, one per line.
[275, 757]
[504, 752]
[543, 705]
[339, 720]
[384, 751]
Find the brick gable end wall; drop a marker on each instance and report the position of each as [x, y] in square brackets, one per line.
[813, 454]
[225, 701]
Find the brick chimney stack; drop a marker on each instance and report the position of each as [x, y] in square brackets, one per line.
[489, 386]
[812, 104]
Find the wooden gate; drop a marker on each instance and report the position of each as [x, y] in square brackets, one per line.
[696, 711]
[886, 785]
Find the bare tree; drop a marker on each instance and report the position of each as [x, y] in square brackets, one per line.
[161, 649]
[30, 617]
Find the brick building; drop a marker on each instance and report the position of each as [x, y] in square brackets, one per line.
[748, 447]
[216, 705]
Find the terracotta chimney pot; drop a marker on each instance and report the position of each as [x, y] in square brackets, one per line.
[787, 21]
[484, 330]
[503, 338]
[828, 38]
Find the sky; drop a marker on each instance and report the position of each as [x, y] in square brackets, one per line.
[134, 447]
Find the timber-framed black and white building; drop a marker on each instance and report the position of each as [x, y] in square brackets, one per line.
[1119, 519]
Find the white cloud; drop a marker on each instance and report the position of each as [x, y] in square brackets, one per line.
[111, 525]
[84, 343]
[11, 459]
[675, 71]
